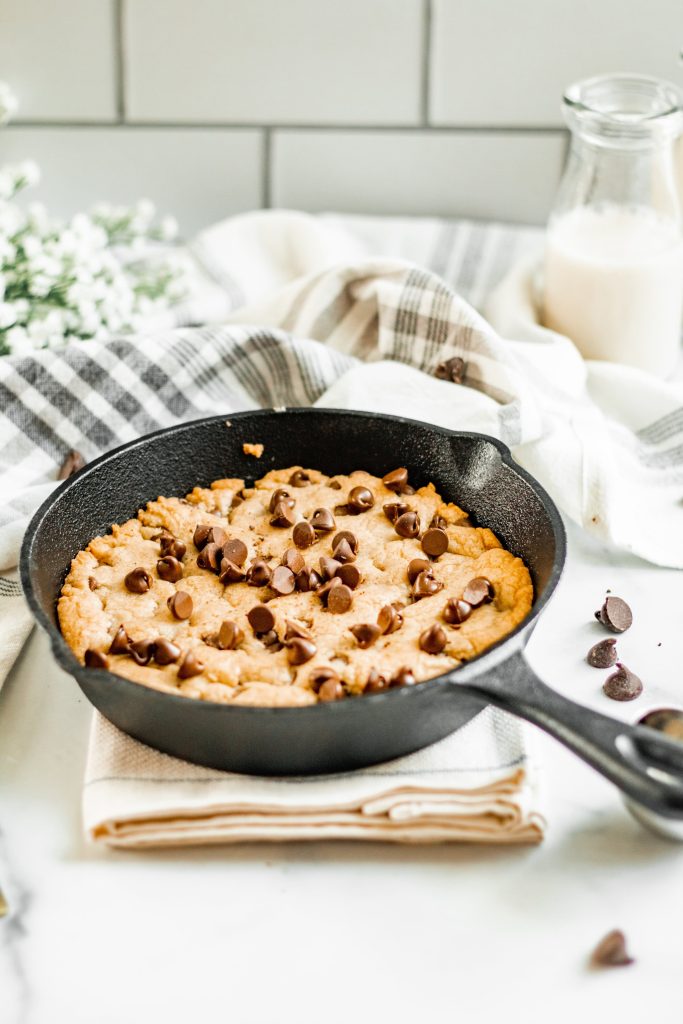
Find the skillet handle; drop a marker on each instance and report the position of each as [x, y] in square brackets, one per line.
[644, 764]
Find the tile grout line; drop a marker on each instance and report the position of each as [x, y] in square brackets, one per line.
[406, 129]
[119, 62]
[266, 171]
[426, 62]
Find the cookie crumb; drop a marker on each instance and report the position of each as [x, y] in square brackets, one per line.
[253, 449]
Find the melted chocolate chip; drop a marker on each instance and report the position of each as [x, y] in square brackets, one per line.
[426, 586]
[334, 484]
[350, 539]
[73, 462]
[261, 619]
[180, 605]
[299, 478]
[328, 567]
[227, 638]
[95, 659]
[349, 575]
[433, 640]
[434, 542]
[339, 599]
[366, 634]
[138, 581]
[92, 583]
[322, 521]
[283, 580]
[331, 689]
[389, 619]
[615, 614]
[141, 651]
[451, 369]
[190, 666]
[259, 573]
[611, 951]
[321, 676]
[308, 579]
[169, 569]
[303, 535]
[170, 546]
[603, 654]
[280, 495]
[478, 591]
[416, 566]
[396, 480]
[120, 643]
[165, 651]
[404, 677]
[360, 500]
[408, 525]
[300, 650]
[230, 573]
[235, 550]
[394, 510]
[456, 611]
[294, 560]
[622, 684]
[283, 516]
[375, 682]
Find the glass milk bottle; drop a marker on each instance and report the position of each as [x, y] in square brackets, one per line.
[613, 279]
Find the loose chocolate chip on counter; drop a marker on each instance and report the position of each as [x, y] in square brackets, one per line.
[351, 540]
[141, 651]
[349, 575]
[622, 684]
[300, 650]
[169, 569]
[343, 552]
[190, 666]
[603, 654]
[138, 581]
[615, 614]
[394, 510]
[261, 619]
[666, 720]
[120, 643]
[283, 580]
[456, 611]
[331, 689]
[299, 478]
[235, 550]
[293, 629]
[389, 619]
[433, 640]
[303, 535]
[328, 567]
[205, 534]
[259, 573]
[404, 677]
[170, 546]
[308, 579]
[360, 499]
[280, 495]
[72, 463]
[294, 560]
[375, 682]
[611, 951]
[210, 557]
[322, 521]
[408, 525]
[165, 652]
[416, 566]
[396, 480]
[438, 522]
[426, 586]
[339, 599]
[366, 633]
[478, 591]
[321, 676]
[451, 369]
[180, 605]
[283, 515]
[434, 542]
[95, 659]
[230, 573]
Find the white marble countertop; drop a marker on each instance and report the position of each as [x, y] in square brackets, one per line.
[331, 932]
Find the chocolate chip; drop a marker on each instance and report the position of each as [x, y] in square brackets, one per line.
[72, 463]
[322, 521]
[611, 951]
[228, 637]
[360, 499]
[404, 677]
[270, 640]
[456, 611]
[237, 500]
[351, 540]
[408, 489]
[165, 652]
[622, 684]
[141, 651]
[230, 573]
[603, 654]
[451, 369]
[190, 666]
[478, 591]
[339, 599]
[169, 569]
[396, 480]
[416, 566]
[259, 573]
[394, 510]
[95, 659]
[299, 478]
[366, 634]
[433, 640]
[343, 552]
[300, 650]
[438, 522]
[120, 643]
[334, 484]
[434, 542]
[389, 619]
[235, 550]
[408, 525]
[349, 575]
[293, 630]
[283, 580]
[615, 614]
[375, 682]
[303, 535]
[328, 567]
[331, 689]
[308, 579]
[170, 546]
[138, 581]
[280, 495]
[321, 676]
[324, 590]
[666, 720]
[92, 583]
[294, 560]
[180, 605]
[283, 515]
[205, 534]
[426, 586]
[210, 557]
[261, 619]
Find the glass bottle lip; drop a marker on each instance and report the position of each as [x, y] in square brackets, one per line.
[624, 109]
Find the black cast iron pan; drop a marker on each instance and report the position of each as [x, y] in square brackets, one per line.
[475, 471]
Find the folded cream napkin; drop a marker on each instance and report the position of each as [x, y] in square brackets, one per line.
[477, 785]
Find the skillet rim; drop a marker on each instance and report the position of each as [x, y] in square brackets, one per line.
[489, 659]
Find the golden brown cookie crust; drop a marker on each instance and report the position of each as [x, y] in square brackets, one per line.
[95, 601]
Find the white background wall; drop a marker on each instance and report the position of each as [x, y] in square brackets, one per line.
[385, 106]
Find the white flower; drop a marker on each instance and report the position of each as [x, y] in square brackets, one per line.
[168, 229]
[7, 186]
[40, 285]
[28, 173]
[18, 341]
[8, 103]
[145, 209]
[31, 245]
[8, 315]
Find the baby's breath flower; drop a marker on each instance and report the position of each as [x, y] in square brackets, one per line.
[8, 315]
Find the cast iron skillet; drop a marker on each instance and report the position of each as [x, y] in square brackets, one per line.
[474, 470]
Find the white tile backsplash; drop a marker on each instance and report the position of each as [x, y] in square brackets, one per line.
[295, 61]
[504, 176]
[199, 175]
[59, 58]
[507, 62]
